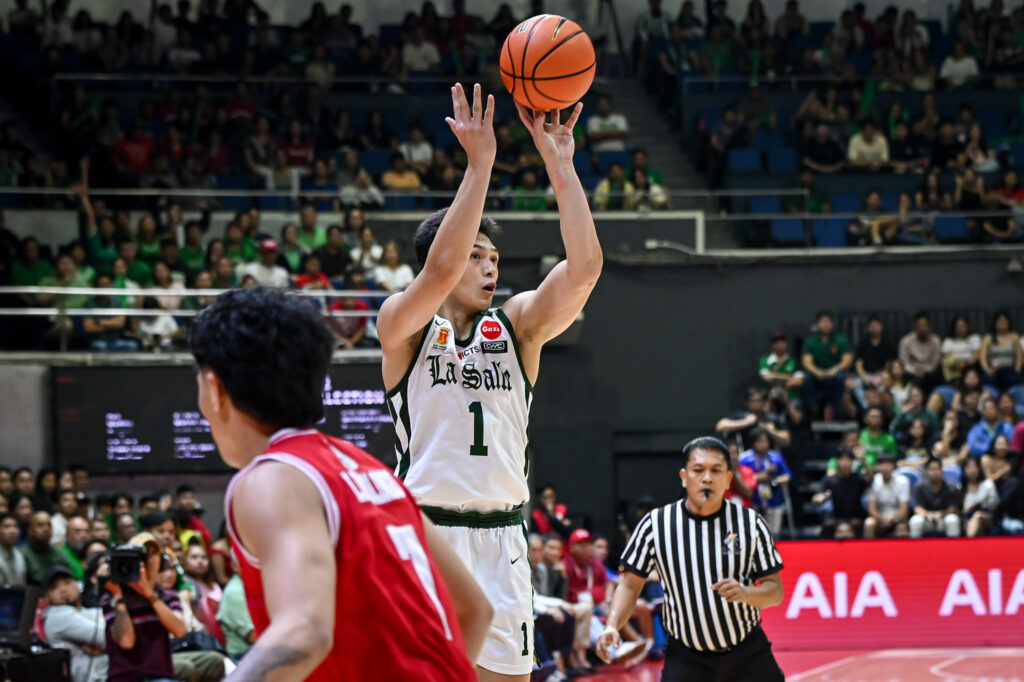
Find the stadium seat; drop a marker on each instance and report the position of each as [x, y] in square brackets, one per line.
[846, 203]
[783, 161]
[1017, 155]
[891, 201]
[947, 392]
[829, 232]
[745, 161]
[951, 474]
[589, 182]
[375, 161]
[767, 140]
[765, 204]
[234, 202]
[912, 475]
[606, 159]
[1017, 393]
[950, 228]
[400, 202]
[789, 231]
[583, 162]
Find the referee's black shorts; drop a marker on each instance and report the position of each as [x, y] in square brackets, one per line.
[750, 661]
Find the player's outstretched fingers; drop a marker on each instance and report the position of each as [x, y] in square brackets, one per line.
[575, 116]
[478, 104]
[489, 111]
[527, 119]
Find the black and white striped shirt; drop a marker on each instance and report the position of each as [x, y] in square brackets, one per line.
[691, 554]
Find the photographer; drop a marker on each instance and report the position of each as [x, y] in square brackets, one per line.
[139, 617]
[70, 626]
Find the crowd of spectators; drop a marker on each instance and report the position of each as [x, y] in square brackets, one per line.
[161, 257]
[183, 617]
[931, 430]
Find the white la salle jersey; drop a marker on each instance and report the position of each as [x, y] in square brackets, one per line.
[460, 414]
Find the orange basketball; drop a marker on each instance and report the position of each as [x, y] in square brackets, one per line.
[547, 63]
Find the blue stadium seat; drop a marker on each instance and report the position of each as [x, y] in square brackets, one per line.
[589, 182]
[846, 203]
[950, 228]
[1017, 155]
[951, 474]
[947, 392]
[912, 475]
[438, 131]
[583, 161]
[745, 161]
[375, 161]
[765, 204]
[401, 202]
[829, 232]
[397, 123]
[606, 159]
[1017, 393]
[783, 161]
[891, 201]
[768, 140]
[789, 231]
[234, 202]
[818, 30]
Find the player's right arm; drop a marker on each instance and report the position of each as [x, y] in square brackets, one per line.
[403, 316]
[472, 609]
[281, 521]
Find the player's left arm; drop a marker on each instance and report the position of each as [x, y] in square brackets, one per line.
[543, 314]
[281, 520]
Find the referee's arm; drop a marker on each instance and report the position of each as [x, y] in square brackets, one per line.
[768, 591]
[623, 605]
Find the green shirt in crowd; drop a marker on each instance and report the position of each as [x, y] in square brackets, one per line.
[529, 199]
[69, 300]
[234, 619]
[140, 273]
[193, 259]
[828, 352]
[74, 562]
[100, 256]
[38, 562]
[149, 252]
[903, 421]
[243, 252]
[787, 366]
[25, 275]
[315, 240]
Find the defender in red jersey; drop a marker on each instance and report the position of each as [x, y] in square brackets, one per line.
[344, 578]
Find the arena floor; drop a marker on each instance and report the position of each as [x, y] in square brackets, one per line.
[893, 665]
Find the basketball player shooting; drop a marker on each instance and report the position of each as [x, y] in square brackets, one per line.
[460, 373]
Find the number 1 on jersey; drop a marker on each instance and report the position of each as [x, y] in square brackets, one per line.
[477, 449]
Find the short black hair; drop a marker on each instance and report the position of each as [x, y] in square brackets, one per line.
[921, 315]
[931, 460]
[148, 499]
[544, 487]
[334, 228]
[20, 470]
[184, 488]
[122, 496]
[75, 468]
[754, 391]
[824, 313]
[259, 339]
[845, 451]
[758, 432]
[66, 491]
[154, 518]
[427, 230]
[706, 443]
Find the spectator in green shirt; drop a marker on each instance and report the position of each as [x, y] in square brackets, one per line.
[875, 439]
[86, 273]
[148, 240]
[233, 616]
[827, 356]
[779, 367]
[66, 276]
[39, 554]
[138, 272]
[237, 247]
[193, 255]
[30, 269]
[310, 236]
[75, 541]
[915, 410]
[528, 196]
[816, 201]
[638, 162]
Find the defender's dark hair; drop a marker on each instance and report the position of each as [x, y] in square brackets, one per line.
[921, 315]
[706, 443]
[427, 230]
[256, 338]
[154, 519]
[184, 488]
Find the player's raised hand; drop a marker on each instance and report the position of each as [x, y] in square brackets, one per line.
[474, 127]
[553, 140]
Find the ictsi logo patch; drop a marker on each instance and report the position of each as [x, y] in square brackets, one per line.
[491, 329]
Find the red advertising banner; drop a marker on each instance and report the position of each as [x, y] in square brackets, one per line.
[900, 593]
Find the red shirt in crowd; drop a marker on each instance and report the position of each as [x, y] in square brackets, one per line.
[243, 111]
[305, 281]
[749, 477]
[133, 154]
[589, 576]
[540, 519]
[298, 153]
[394, 618]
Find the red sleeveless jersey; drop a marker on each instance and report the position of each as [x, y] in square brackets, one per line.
[394, 619]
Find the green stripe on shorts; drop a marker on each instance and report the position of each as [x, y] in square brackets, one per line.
[472, 519]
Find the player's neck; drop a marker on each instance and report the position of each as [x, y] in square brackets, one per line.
[249, 439]
[461, 317]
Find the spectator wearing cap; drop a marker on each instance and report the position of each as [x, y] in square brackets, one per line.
[936, 507]
[779, 368]
[334, 256]
[888, 500]
[588, 582]
[40, 555]
[70, 626]
[139, 618]
[844, 489]
[265, 271]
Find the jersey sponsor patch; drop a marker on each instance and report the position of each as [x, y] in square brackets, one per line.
[472, 350]
[442, 335]
[491, 329]
[494, 346]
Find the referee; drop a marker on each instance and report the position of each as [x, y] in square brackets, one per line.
[719, 567]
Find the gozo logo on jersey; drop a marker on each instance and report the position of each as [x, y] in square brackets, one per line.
[491, 329]
[491, 378]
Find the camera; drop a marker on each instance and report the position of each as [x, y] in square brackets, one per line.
[124, 563]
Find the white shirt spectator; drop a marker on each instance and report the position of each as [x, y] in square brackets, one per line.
[370, 261]
[58, 529]
[861, 151]
[962, 349]
[422, 152]
[354, 195]
[613, 122]
[393, 280]
[57, 33]
[164, 35]
[889, 496]
[182, 57]
[69, 628]
[265, 276]
[986, 495]
[959, 71]
[422, 57]
[159, 326]
[87, 40]
[12, 567]
[168, 302]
